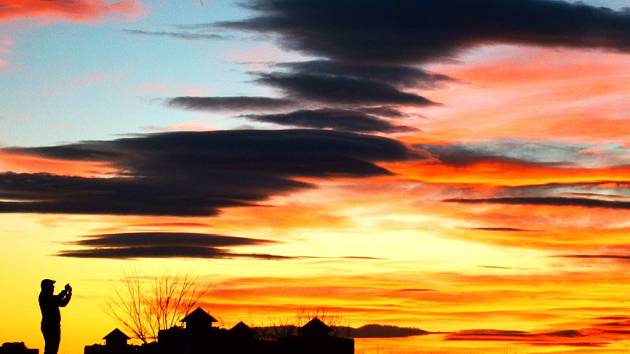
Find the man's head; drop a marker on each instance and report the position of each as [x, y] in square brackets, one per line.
[48, 285]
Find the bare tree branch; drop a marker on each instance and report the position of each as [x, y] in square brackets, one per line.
[146, 306]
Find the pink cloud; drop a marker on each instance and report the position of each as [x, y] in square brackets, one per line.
[5, 45]
[5, 49]
[570, 94]
[85, 11]
[190, 126]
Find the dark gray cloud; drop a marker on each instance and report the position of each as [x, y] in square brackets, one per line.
[583, 337]
[499, 229]
[396, 75]
[378, 31]
[608, 190]
[599, 194]
[167, 224]
[342, 90]
[198, 194]
[354, 94]
[165, 252]
[382, 111]
[176, 34]
[141, 239]
[236, 103]
[337, 119]
[548, 153]
[291, 152]
[618, 257]
[551, 201]
[165, 245]
[369, 49]
[195, 173]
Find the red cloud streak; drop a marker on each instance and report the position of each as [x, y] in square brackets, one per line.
[86, 11]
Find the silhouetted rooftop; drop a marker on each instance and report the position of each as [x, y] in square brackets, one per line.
[242, 330]
[198, 316]
[315, 327]
[116, 334]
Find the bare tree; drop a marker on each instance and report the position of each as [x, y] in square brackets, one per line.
[146, 305]
[275, 328]
[304, 314]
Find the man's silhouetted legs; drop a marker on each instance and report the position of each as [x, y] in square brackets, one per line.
[52, 337]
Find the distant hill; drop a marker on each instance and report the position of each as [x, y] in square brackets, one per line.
[381, 331]
[366, 331]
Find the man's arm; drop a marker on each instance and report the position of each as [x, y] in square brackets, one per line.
[63, 298]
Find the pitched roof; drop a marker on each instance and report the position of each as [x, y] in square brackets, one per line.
[242, 330]
[199, 315]
[315, 326]
[116, 334]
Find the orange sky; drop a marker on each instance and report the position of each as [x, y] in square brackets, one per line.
[471, 237]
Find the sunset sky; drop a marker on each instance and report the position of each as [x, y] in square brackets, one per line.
[460, 166]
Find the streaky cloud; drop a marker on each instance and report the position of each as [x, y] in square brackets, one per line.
[175, 34]
[236, 103]
[337, 119]
[620, 257]
[375, 31]
[164, 252]
[499, 229]
[340, 90]
[550, 201]
[397, 75]
[195, 173]
[545, 153]
[167, 239]
[165, 245]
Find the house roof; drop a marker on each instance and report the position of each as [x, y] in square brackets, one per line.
[315, 326]
[197, 316]
[242, 330]
[116, 334]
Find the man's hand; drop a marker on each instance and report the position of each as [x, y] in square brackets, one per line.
[68, 288]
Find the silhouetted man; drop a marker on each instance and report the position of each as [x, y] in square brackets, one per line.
[49, 304]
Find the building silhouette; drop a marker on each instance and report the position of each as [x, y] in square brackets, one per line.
[115, 343]
[17, 348]
[315, 328]
[198, 320]
[197, 335]
[315, 338]
[116, 339]
[242, 331]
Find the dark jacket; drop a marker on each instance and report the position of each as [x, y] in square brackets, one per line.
[49, 305]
